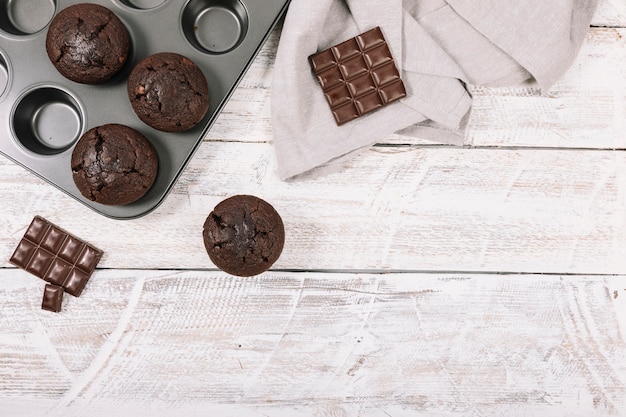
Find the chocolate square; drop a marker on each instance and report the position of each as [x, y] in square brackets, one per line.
[36, 230]
[71, 249]
[52, 298]
[53, 240]
[56, 256]
[23, 253]
[39, 262]
[58, 272]
[358, 76]
[75, 282]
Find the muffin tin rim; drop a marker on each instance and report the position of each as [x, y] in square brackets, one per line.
[8, 70]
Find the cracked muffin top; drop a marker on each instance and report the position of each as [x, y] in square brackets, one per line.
[168, 92]
[87, 43]
[114, 164]
[244, 235]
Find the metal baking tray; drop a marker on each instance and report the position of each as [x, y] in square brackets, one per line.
[42, 114]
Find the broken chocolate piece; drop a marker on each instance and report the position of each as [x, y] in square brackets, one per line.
[56, 256]
[52, 298]
[358, 76]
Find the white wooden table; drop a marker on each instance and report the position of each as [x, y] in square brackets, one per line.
[416, 280]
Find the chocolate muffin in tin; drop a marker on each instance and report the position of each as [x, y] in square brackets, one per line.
[87, 43]
[114, 164]
[168, 92]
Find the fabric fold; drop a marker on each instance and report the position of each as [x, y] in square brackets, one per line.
[439, 46]
[542, 38]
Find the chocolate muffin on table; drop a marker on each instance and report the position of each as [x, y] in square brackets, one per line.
[114, 164]
[244, 235]
[168, 92]
[87, 43]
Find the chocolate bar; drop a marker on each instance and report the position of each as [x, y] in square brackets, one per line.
[52, 298]
[56, 256]
[358, 76]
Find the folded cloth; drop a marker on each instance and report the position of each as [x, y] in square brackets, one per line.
[439, 46]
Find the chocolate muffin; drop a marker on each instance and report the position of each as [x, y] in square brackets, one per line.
[168, 92]
[114, 164]
[244, 235]
[87, 43]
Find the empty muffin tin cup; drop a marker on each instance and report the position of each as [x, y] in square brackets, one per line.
[142, 4]
[214, 26]
[47, 120]
[26, 17]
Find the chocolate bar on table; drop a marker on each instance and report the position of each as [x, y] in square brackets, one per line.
[358, 76]
[56, 256]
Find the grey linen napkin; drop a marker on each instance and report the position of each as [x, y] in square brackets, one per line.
[439, 46]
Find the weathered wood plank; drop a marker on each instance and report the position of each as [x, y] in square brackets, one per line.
[303, 344]
[610, 13]
[388, 209]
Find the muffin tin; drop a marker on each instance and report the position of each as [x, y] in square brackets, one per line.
[42, 114]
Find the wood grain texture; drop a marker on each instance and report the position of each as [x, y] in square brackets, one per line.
[393, 208]
[303, 344]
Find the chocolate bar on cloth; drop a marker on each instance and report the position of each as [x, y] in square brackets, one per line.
[358, 76]
[56, 256]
